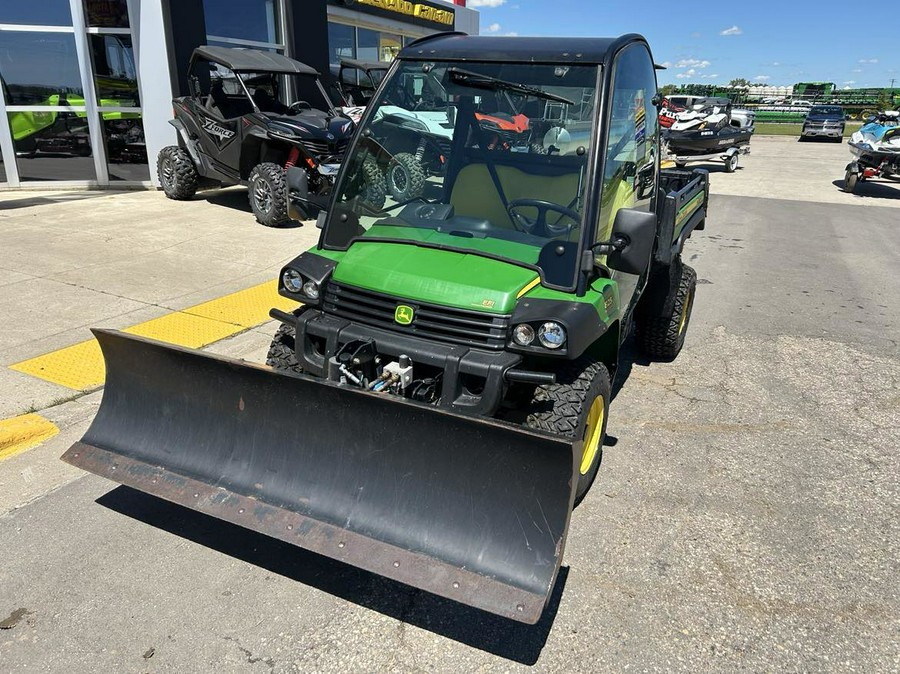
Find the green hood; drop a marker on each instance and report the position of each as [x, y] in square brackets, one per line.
[448, 278]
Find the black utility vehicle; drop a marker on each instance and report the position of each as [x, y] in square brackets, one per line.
[252, 116]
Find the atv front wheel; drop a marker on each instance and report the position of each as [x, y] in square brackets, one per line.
[268, 195]
[851, 178]
[663, 322]
[177, 173]
[281, 353]
[374, 189]
[405, 177]
[576, 406]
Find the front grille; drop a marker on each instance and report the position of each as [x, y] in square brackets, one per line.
[321, 147]
[458, 326]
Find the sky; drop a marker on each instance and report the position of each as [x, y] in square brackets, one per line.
[765, 42]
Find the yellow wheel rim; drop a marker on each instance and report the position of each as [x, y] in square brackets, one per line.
[592, 434]
[685, 311]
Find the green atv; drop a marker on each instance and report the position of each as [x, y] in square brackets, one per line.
[438, 401]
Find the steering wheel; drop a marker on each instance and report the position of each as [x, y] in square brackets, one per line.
[297, 106]
[540, 226]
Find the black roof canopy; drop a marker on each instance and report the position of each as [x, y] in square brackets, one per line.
[253, 60]
[462, 47]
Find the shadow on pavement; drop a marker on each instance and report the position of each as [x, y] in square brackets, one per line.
[63, 197]
[237, 200]
[629, 356]
[869, 188]
[484, 631]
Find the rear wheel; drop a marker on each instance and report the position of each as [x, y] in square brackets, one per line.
[576, 406]
[731, 163]
[850, 180]
[281, 354]
[660, 333]
[268, 195]
[405, 177]
[177, 173]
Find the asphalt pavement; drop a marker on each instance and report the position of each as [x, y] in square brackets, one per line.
[746, 515]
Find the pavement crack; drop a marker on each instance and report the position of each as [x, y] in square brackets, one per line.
[248, 654]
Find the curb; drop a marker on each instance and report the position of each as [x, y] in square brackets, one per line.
[23, 432]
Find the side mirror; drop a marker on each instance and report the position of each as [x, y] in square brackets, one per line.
[632, 240]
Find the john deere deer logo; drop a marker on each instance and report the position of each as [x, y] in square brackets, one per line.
[403, 314]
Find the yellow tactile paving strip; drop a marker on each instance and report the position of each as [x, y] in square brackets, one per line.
[80, 367]
[24, 432]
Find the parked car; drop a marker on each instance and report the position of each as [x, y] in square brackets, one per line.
[824, 120]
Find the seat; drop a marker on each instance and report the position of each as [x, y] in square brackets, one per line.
[475, 195]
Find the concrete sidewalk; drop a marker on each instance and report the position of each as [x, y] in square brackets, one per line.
[72, 261]
[76, 260]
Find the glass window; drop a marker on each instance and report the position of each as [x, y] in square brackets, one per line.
[389, 46]
[114, 73]
[126, 151]
[42, 13]
[40, 69]
[512, 185]
[629, 175]
[242, 19]
[367, 44]
[340, 43]
[106, 13]
[52, 146]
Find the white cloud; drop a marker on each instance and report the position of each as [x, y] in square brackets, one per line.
[734, 30]
[856, 70]
[868, 60]
[776, 63]
[486, 3]
[687, 73]
[493, 28]
[762, 78]
[666, 64]
[692, 63]
[512, 34]
[850, 82]
[695, 35]
[711, 77]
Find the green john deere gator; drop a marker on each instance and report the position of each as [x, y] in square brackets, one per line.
[436, 405]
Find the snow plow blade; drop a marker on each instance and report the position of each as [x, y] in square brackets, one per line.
[469, 509]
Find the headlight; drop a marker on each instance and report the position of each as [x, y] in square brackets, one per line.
[292, 280]
[523, 334]
[311, 290]
[552, 335]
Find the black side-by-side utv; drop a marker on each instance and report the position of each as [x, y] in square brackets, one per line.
[250, 117]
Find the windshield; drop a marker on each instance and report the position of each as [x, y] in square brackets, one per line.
[826, 110]
[483, 158]
[220, 90]
[285, 94]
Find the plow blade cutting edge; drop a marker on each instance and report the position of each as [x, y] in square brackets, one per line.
[470, 509]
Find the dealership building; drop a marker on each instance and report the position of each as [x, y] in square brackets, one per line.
[87, 85]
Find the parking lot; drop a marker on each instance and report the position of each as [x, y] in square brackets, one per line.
[746, 515]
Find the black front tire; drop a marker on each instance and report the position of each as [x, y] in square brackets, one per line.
[177, 173]
[281, 353]
[405, 177]
[851, 178]
[660, 330]
[374, 188]
[576, 406]
[267, 191]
